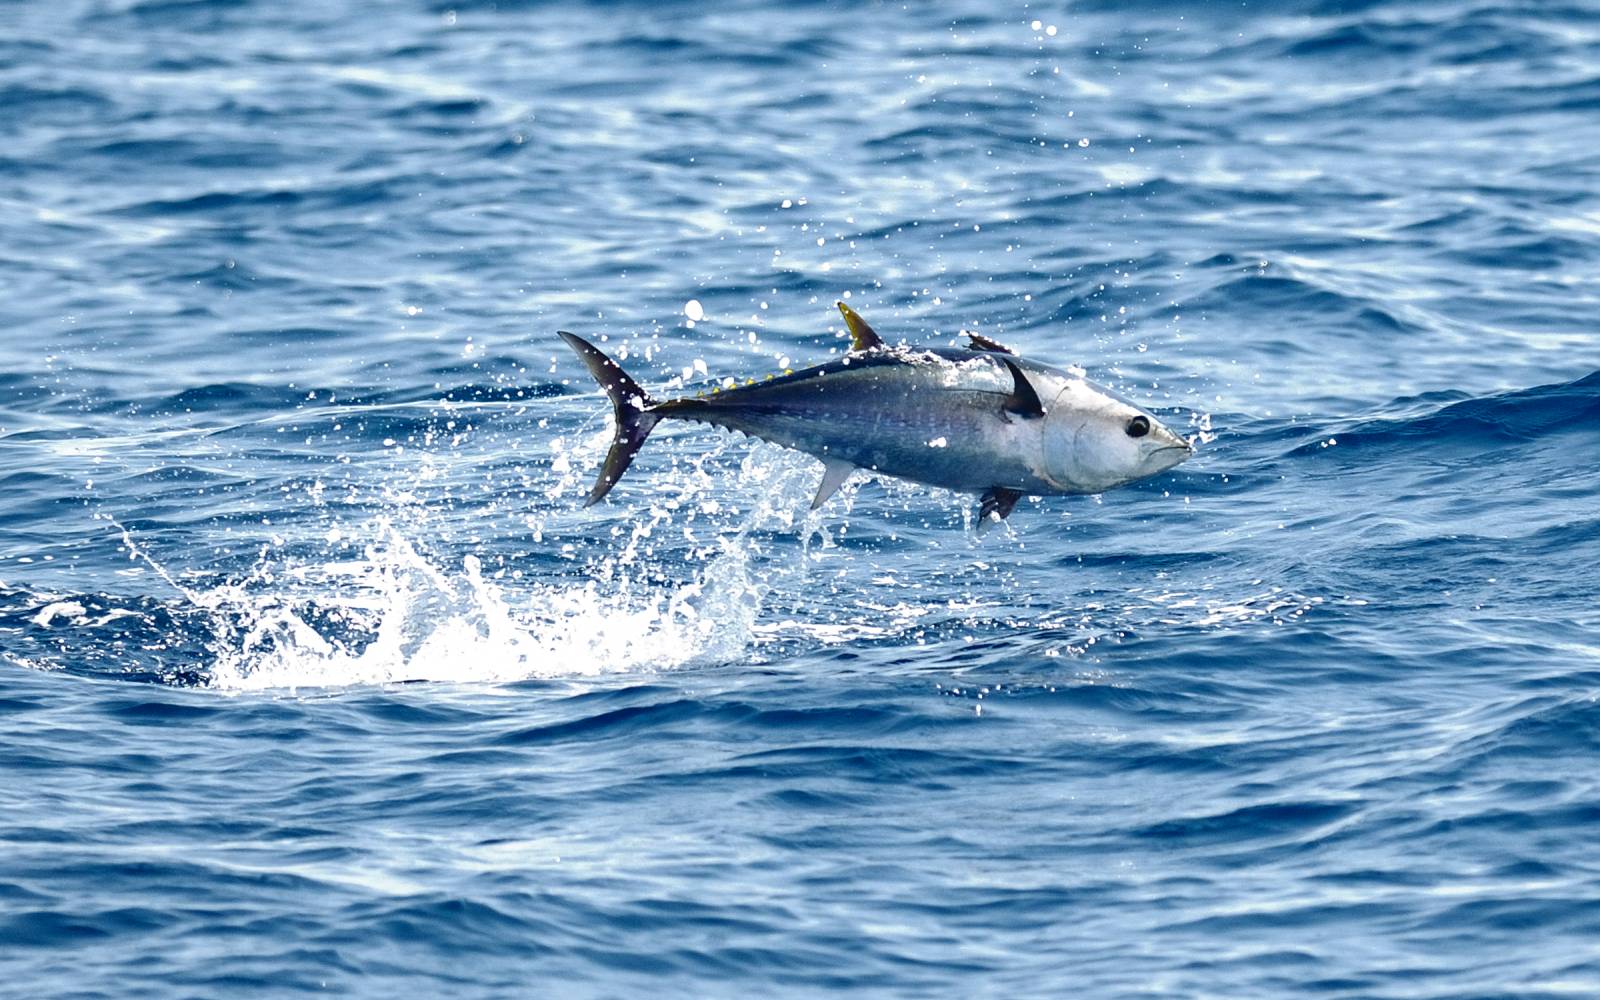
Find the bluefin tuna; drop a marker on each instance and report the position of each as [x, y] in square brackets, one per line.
[976, 419]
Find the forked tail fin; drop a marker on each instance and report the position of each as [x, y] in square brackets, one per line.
[632, 406]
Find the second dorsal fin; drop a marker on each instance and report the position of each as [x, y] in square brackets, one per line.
[862, 336]
[982, 343]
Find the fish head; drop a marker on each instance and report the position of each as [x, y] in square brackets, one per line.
[1094, 440]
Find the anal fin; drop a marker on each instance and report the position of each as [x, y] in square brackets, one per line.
[995, 506]
[834, 472]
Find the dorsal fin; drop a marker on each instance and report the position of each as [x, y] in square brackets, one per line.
[1023, 401]
[982, 343]
[862, 336]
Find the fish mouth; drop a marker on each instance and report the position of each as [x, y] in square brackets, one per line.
[1178, 442]
[1169, 455]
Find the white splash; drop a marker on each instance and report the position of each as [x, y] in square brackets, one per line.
[393, 615]
[417, 621]
[337, 613]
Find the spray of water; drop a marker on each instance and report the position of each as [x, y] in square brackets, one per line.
[414, 621]
[394, 613]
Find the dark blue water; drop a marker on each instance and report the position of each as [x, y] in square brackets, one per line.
[315, 677]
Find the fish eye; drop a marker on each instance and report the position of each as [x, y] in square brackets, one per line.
[1139, 426]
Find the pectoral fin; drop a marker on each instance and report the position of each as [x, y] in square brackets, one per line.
[1023, 401]
[834, 472]
[995, 506]
[862, 336]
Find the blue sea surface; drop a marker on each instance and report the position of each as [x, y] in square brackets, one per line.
[315, 676]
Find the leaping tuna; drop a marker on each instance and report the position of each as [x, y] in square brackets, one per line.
[976, 419]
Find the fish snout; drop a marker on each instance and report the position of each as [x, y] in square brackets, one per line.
[1169, 449]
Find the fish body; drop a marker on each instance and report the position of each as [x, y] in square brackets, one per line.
[930, 415]
[978, 419]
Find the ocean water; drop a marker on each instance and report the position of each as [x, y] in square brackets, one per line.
[315, 677]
